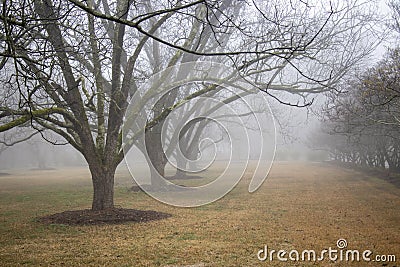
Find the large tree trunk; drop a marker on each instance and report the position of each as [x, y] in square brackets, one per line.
[157, 171]
[156, 156]
[181, 167]
[182, 164]
[155, 152]
[188, 143]
[103, 187]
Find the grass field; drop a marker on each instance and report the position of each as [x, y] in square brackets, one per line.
[300, 206]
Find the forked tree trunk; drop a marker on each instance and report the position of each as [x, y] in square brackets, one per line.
[181, 164]
[156, 172]
[103, 187]
[156, 157]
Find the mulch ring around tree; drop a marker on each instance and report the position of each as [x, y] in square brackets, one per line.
[164, 188]
[109, 216]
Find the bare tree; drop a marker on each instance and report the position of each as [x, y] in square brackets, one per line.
[364, 121]
[70, 67]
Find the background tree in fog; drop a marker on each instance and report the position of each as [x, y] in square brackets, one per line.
[70, 67]
[364, 120]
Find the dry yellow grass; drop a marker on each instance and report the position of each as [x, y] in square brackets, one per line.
[300, 206]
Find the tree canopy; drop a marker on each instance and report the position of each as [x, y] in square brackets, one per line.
[71, 67]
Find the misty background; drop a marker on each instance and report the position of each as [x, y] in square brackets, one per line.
[295, 128]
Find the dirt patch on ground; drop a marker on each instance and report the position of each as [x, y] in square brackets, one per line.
[43, 169]
[135, 188]
[183, 177]
[149, 188]
[110, 216]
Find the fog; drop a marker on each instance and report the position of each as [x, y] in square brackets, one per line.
[199, 132]
[39, 154]
[294, 126]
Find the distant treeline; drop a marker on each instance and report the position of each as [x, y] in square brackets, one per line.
[361, 121]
